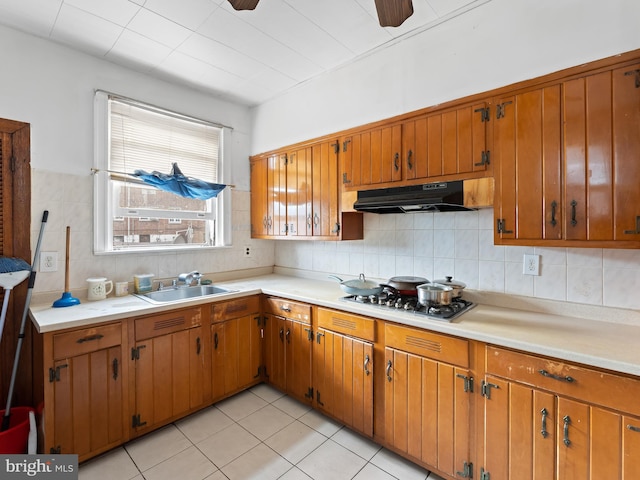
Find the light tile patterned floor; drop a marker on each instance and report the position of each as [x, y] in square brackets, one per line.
[258, 434]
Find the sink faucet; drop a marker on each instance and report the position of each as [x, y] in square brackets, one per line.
[188, 278]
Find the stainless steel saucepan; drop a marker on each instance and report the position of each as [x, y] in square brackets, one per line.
[434, 294]
[360, 286]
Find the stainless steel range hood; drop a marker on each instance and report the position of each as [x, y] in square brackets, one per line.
[431, 197]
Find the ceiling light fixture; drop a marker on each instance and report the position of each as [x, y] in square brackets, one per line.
[391, 13]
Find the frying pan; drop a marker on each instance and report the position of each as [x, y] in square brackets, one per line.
[359, 286]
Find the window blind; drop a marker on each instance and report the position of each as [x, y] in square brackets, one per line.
[148, 139]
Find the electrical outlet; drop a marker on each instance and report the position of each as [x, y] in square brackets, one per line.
[248, 253]
[531, 265]
[49, 261]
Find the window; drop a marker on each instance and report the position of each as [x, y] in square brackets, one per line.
[133, 216]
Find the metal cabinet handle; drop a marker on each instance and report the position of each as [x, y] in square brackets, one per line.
[633, 429]
[114, 367]
[282, 334]
[285, 308]
[396, 163]
[366, 364]
[198, 346]
[308, 220]
[544, 432]
[90, 338]
[574, 204]
[319, 335]
[288, 335]
[567, 421]
[560, 378]
[409, 163]
[554, 205]
[389, 365]
[215, 341]
[316, 219]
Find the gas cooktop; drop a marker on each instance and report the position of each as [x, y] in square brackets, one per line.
[410, 304]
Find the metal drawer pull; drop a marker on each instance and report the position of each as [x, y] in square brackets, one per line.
[389, 364]
[285, 307]
[90, 338]
[560, 378]
[574, 204]
[633, 429]
[544, 432]
[554, 205]
[282, 334]
[366, 365]
[288, 335]
[567, 421]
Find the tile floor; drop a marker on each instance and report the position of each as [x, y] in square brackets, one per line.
[257, 434]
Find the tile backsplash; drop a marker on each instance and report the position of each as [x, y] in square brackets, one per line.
[69, 200]
[460, 244]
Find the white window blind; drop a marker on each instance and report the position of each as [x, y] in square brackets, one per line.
[146, 139]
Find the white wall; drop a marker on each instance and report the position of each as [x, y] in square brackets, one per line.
[499, 43]
[52, 88]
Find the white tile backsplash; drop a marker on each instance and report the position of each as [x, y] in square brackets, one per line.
[69, 200]
[435, 245]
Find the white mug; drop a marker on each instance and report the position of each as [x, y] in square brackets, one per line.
[98, 288]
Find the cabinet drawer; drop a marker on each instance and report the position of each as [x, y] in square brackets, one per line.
[234, 308]
[79, 342]
[428, 344]
[347, 324]
[289, 309]
[607, 389]
[165, 323]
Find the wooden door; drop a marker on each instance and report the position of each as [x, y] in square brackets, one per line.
[527, 150]
[325, 210]
[274, 353]
[260, 220]
[297, 345]
[277, 193]
[427, 410]
[169, 376]
[298, 192]
[343, 379]
[519, 437]
[626, 145]
[87, 405]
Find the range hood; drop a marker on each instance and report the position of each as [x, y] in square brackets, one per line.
[430, 197]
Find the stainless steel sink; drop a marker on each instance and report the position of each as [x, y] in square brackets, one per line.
[169, 295]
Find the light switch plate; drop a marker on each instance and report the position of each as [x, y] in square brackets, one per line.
[531, 264]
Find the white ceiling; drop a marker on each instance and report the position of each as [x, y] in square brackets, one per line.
[246, 57]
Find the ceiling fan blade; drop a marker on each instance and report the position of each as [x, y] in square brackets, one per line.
[391, 13]
[244, 4]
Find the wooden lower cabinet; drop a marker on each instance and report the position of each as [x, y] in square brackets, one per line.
[288, 347]
[235, 346]
[427, 399]
[84, 391]
[343, 379]
[534, 431]
[171, 367]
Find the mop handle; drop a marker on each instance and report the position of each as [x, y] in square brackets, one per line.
[16, 360]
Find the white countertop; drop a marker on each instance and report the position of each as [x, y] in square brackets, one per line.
[604, 344]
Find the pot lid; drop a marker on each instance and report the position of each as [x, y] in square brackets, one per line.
[408, 279]
[449, 281]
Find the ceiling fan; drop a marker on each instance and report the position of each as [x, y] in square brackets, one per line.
[391, 13]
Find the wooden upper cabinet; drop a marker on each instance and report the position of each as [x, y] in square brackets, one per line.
[601, 144]
[526, 149]
[322, 218]
[261, 222]
[298, 192]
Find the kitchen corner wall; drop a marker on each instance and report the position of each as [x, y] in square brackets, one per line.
[69, 200]
[434, 245]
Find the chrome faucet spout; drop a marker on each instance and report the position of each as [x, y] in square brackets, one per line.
[188, 278]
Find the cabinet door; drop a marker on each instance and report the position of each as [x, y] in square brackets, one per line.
[277, 193]
[323, 218]
[427, 410]
[626, 145]
[260, 219]
[374, 157]
[235, 355]
[631, 447]
[527, 151]
[519, 437]
[297, 345]
[169, 375]
[274, 353]
[87, 403]
[343, 379]
[298, 192]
